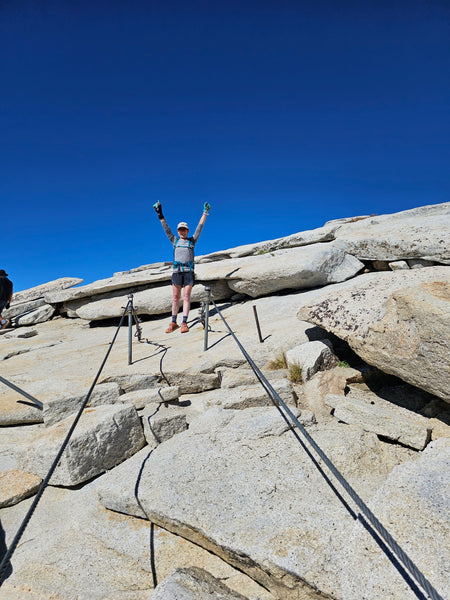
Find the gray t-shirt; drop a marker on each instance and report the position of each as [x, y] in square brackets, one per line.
[183, 254]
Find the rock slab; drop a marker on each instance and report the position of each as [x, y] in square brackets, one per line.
[312, 357]
[297, 268]
[414, 505]
[397, 321]
[16, 485]
[383, 418]
[420, 233]
[104, 437]
[238, 483]
[193, 584]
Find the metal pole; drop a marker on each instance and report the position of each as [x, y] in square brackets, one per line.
[26, 394]
[130, 328]
[208, 300]
[257, 324]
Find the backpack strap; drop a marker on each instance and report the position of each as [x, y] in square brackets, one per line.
[188, 266]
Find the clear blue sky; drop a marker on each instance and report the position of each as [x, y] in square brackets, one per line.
[282, 115]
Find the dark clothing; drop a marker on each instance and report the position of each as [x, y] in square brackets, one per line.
[3, 303]
[183, 278]
[6, 288]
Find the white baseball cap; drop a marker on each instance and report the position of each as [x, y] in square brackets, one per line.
[182, 224]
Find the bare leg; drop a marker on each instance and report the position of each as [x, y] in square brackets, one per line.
[187, 300]
[176, 289]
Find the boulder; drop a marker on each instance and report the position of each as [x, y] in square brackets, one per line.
[21, 308]
[193, 584]
[235, 496]
[104, 437]
[316, 389]
[372, 413]
[16, 485]
[15, 409]
[158, 266]
[192, 380]
[60, 408]
[110, 284]
[133, 382]
[117, 489]
[439, 429]
[419, 263]
[162, 423]
[38, 315]
[297, 268]
[40, 291]
[140, 398]
[248, 396]
[413, 504]
[312, 357]
[11, 440]
[303, 238]
[153, 301]
[399, 265]
[396, 321]
[421, 233]
[231, 378]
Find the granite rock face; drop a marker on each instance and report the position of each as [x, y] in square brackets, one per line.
[112, 552]
[413, 498]
[154, 301]
[383, 418]
[102, 286]
[18, 411]
[194, 466]
[193, 584]
[28, 307]
[420, 233]
[16, 485]
[395, 321]
[329, 254]
[141, 398]
[312, 357]
[105, 437]
[299, 268]
[32, 317]
[162, 423]
[57, 409]
[244, 522]
[40, 291]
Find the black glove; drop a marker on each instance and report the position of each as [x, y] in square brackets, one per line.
[157, 206]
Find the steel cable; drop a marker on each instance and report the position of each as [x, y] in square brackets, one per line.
[381, 530]
[6, 559]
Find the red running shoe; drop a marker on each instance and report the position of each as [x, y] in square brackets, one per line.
[172, 327]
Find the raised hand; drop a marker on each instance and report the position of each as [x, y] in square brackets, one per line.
[157, 206]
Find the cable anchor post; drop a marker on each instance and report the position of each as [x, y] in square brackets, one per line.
[130, 328]
[257, 324]
[207, 303]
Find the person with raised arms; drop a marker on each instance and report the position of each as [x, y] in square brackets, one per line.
[183, 264]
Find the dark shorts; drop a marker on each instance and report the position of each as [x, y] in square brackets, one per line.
[183, 278]
[3, 303]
